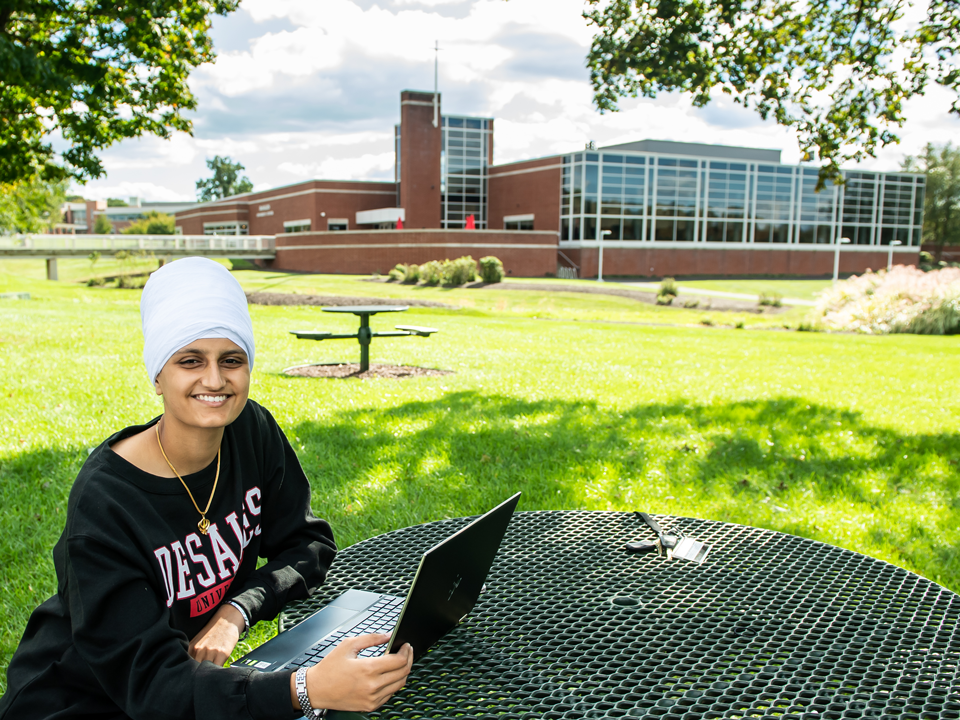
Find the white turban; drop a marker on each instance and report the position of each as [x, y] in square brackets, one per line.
[187, 300]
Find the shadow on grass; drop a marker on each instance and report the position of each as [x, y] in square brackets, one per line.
[784, 464]
[806, 469]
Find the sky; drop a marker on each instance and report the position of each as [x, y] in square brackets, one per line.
[305, 89]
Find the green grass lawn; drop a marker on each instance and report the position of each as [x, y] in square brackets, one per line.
[579, 401]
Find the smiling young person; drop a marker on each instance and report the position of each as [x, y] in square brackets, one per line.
[157, 572]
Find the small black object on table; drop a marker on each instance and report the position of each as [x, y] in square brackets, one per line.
[364, 334]
[572, 625]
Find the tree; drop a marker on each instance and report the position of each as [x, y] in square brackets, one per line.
[30, 206]
[941, 203]
[837, 73]
[117, 202]
[92, 73]
[102, 225]
[155, 223]
[226, 180]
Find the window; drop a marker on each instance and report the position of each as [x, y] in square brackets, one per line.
[337, 224]
[518, 222]
[294, 226]
[225, 228]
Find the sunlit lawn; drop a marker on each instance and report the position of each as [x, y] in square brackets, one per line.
[849, 439]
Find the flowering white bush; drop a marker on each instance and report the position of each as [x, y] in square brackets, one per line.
[902, 300]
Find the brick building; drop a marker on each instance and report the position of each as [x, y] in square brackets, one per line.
[647, 208]
[79, 217]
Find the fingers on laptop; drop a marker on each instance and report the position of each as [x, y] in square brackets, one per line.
[364, 641]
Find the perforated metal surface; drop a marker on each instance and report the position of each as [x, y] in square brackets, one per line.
[572, 626]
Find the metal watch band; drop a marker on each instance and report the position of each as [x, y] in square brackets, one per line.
[305, 707]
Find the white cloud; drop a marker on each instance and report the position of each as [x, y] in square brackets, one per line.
[97, 190]
[312, 90]
[365, 167]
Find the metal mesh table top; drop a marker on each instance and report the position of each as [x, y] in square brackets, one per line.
[573, 626]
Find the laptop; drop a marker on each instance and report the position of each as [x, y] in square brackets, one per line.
[445, 589]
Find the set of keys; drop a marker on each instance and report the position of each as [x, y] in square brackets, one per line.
[669, 543]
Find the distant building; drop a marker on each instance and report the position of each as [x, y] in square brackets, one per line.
[79, 217]
[652, 207]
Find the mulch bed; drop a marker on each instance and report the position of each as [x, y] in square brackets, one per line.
[352, 370]
[703, 302]
[268, 298]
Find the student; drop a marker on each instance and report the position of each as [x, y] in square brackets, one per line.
[156, 567]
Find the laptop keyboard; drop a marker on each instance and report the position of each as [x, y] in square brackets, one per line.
[382, 618]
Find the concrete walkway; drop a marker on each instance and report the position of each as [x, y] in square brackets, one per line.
[653, 287]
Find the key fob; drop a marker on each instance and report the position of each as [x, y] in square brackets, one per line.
[641, 546]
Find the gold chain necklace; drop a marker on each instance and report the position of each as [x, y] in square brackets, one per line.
[204, 523]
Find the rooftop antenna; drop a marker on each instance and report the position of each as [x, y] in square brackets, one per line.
[436, 98]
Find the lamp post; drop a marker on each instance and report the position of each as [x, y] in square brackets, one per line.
[603, 234]
[836, 258]
[890, 254]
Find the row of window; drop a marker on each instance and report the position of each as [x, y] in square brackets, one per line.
[685, 230]
[464, 159]
[612, 192]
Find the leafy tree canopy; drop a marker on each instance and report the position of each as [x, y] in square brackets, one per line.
[226, 180]
[941, 203]
[837, 73]
[102, 225]
[92, 73]
[155, 223]
[30, 206]
[116, 202]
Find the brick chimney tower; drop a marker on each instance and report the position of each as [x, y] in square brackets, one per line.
[420, 145]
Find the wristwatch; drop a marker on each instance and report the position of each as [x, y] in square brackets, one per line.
[306, 708]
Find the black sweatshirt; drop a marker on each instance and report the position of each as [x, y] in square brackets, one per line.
[136, 581]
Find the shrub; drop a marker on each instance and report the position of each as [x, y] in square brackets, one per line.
[155, 223]
[459, 272]
[773, 299]
[411, 273]
[431, 273]
[740, 325]
[491, 269]
[691, 303]
[102, 225]
[903, 300]
[667, 292]
[397, 274]
[707, 321]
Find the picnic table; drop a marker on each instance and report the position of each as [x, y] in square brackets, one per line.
[365, 334]
[571, 625]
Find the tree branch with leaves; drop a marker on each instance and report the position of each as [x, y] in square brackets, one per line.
[837, 73]
[226, 180]
[88, 73]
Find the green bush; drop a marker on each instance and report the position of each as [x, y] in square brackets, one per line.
[491, 269]
[431, 273]
[459, 272]
[102, 225]
[397, 274]
[667, 292]
[411, 273]
[772, 299]
[155, 223]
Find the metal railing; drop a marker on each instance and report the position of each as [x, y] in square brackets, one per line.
[67, 245]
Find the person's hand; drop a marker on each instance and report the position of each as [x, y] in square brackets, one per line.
[342, 681]
[218, 637]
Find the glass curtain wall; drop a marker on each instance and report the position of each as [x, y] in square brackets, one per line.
[634, 196]
[464, 159]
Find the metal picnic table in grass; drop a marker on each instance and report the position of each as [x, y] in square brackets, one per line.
[365, 334]
[571, 626]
